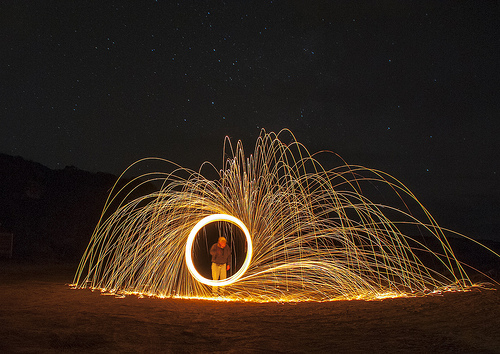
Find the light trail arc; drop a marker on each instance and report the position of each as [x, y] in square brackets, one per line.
[316, 234]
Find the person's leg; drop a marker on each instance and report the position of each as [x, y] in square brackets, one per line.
[223, 272]
[215, 276]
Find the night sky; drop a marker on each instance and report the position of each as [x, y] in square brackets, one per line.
[410, 88]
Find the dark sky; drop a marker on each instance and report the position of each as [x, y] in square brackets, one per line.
[410, 88]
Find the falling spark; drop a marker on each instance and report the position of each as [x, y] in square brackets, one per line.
[312, 234]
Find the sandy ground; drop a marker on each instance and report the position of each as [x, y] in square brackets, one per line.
[41, 313]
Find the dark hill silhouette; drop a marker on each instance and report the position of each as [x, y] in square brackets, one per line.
[52, 213]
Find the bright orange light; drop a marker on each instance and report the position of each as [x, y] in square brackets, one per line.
[316, 234]
[189, 245]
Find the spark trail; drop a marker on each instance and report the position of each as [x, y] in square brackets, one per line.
[315, 234]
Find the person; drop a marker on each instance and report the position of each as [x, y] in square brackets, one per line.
[221, 255]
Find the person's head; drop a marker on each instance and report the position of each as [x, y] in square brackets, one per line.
[222, 242]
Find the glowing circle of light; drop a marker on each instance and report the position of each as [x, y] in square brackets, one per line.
[189, 245]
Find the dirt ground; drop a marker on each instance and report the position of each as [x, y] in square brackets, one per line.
[40, 313]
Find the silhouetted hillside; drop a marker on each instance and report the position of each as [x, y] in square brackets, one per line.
[52, 213]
